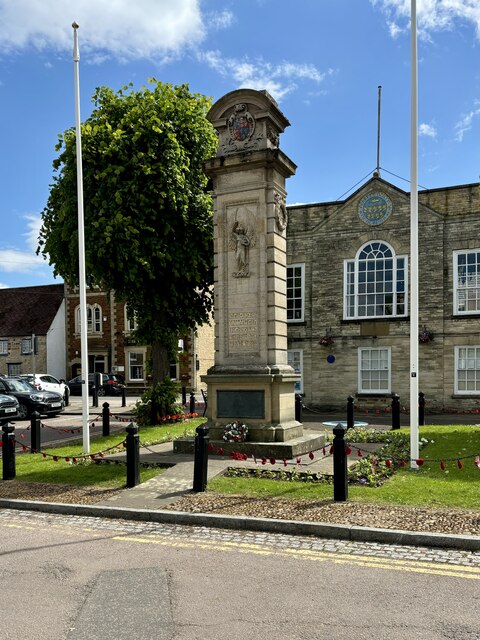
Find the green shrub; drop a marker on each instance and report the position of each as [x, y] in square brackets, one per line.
[158, 402]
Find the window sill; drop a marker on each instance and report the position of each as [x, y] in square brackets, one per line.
[460, 396]
[296, 323]
[374, 394]
[375, 319]
[462, 316]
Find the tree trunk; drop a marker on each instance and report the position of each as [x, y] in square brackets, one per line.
[160, 362]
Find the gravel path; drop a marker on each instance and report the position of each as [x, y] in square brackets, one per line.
[450, 521]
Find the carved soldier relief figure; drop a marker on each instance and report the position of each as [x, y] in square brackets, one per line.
[241, 239]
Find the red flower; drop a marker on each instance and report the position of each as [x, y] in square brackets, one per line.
[211, 448]
[55, 458]
[348, 451]
[235, 438]
[284, 462]
[388, 463]
[273, 461]
[403, 463]
[264, 460]
[419, 461]
[310, 455]
[299, 460]
[245, 456]
[67, 459]
[360, 454]
[442, 465]
[331, 450]
[220, 451]
[459, 464]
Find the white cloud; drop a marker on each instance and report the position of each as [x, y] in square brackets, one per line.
[123, 28]
[427, 130]
[278, 79]
[14, 260]
[4, 286]
[219, 19]
[432, 15]
[466, 121]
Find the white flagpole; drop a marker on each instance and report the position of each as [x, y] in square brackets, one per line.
[81, 249]
[414, 315]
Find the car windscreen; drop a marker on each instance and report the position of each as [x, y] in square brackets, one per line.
[20, 386]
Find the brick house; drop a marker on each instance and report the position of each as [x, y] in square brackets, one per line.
[112, 348]
[348, 302]
[32, 316]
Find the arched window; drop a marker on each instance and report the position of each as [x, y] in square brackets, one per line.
[376, 283]
[94, 319]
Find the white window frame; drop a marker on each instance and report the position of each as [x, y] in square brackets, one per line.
[94, 319]
[301, 267]
[26, 348]
[355, 262]
[3, 346]
[130, 323]
[129, 364]
[299, 384]
[476, 358]
[363, 390]
[457, 289]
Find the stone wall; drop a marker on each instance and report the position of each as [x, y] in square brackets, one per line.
[324, 236]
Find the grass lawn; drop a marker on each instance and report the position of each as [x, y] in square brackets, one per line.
[36, 468]
[429, 486]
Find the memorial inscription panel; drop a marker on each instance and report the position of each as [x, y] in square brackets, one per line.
[241, 404]
[242, 332]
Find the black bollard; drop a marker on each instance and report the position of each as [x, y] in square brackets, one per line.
[421, 409]
[395, 411]
[66, 396]
[106, 419]
[133, 456]
[124, 399]
[350, 421]
[298, 407]
[200, 466]
[340, 477]
[8, 452]
[192, 402]
[35, 432]
[95, 396]
[184, 395]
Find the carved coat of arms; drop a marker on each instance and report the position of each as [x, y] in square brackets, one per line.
[241, 124]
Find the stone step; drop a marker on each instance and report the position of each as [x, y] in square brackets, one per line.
[290, 449]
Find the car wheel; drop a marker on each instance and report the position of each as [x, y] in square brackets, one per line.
[101, 392]
[22, 411]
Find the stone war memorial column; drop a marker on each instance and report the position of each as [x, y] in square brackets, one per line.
[251, 380]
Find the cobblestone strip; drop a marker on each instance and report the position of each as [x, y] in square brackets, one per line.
[272, 540]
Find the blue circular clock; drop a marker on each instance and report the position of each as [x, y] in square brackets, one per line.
[375, 208]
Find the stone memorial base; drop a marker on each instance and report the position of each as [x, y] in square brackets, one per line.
[278, 450]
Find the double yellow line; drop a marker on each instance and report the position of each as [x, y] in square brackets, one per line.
[390, 564]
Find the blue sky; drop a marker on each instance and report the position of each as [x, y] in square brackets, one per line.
[322, 60]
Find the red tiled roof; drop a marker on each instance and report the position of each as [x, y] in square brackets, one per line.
[27, 310]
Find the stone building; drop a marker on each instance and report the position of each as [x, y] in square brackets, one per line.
[348, 297]
[32, 330]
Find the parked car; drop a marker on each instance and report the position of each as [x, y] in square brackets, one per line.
[107, 386]
[46, 382]
[31, 399]
[8, 408]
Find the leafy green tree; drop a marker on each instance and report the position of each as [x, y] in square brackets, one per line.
[148, 215]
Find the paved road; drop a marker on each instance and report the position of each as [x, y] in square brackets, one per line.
[73, 578]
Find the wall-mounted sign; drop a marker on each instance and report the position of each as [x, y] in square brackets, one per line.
[375, 208]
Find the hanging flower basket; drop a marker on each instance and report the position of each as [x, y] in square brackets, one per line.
[235, 432]
[425, 336]
[326, 341]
